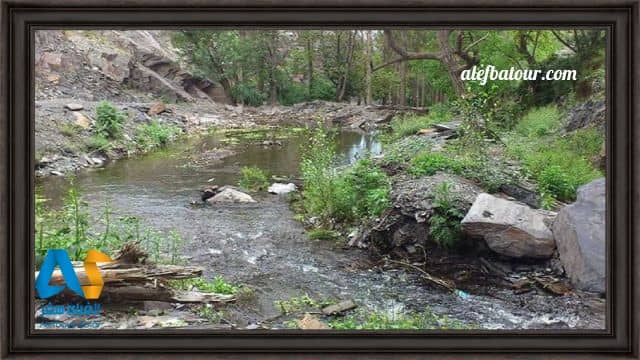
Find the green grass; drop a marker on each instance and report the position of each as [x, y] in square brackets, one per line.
[71, 227]
[253, 179]
[323, 234]
[217, 285]
[301, 303]
[478, 167]
[559, 164]
[410, 125]
[370, 320]
[156, 134]
[428, 163]
[70, 129]
[98, 142]
[539, 122]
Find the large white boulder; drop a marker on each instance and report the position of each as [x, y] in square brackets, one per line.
[509, 228]
[230, 195]
[579, 231]
[279, 188]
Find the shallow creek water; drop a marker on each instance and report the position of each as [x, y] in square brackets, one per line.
[263, 246]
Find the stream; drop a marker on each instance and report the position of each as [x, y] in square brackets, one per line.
[263, 246]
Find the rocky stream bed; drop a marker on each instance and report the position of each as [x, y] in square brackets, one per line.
[261, 245]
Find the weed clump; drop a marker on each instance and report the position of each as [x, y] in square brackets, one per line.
[253, 179]
[109, 120]
[155, 134]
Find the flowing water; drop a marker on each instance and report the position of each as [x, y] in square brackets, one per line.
[263, 246]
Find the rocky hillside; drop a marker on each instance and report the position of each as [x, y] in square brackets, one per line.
[116, 65]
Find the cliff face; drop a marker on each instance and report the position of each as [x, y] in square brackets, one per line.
[135, 65]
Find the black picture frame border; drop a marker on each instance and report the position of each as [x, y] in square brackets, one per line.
[21, 18]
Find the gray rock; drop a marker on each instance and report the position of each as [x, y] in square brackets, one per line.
[279, 188]
[579, 231]
[73, 107]
[509, 228]
[230, 195]
[589, 113]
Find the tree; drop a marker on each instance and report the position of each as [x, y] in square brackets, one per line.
[588, 47]
[368, 39]
[455, 59]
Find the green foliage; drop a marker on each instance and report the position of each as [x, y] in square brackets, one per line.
[212, 314]
[72, 228]
[299, 304]
[323, 234]
[370, 188]
[253, 179]
[372, 320]
[324, 192]
[218, 285]
[558, 164]
[70, 129]
[539, 122]
[406, 126]
[428, 163]
[359, 191]
[98, 142]
[444, 224]
[247, 93]
[109, 120]
[155, 134]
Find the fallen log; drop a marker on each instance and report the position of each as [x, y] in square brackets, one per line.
[419, 110]
[139, 274]
[160, 293]
[127, 278]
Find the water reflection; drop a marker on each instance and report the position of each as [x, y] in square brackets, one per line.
[183, 168]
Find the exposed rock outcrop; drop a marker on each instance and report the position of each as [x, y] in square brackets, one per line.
[405, 224]
[579, 231]
[509, 228]
[95, 64]
[589, 113]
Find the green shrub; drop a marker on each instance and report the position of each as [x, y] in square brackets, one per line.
[428, 163]
[326, 195]
[247, 93]
[539, 122]
[444, 223]
[253, 179]
[355, 192]
[66, 228]
[155, 134]
[558, 164]
[72, 228]
[98, 142]
[109, 120]
[370, 188]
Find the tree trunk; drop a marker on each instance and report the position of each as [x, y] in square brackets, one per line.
[345, 77]
[402, 96]
[309, 53]
[368, 72]
[448, 59]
